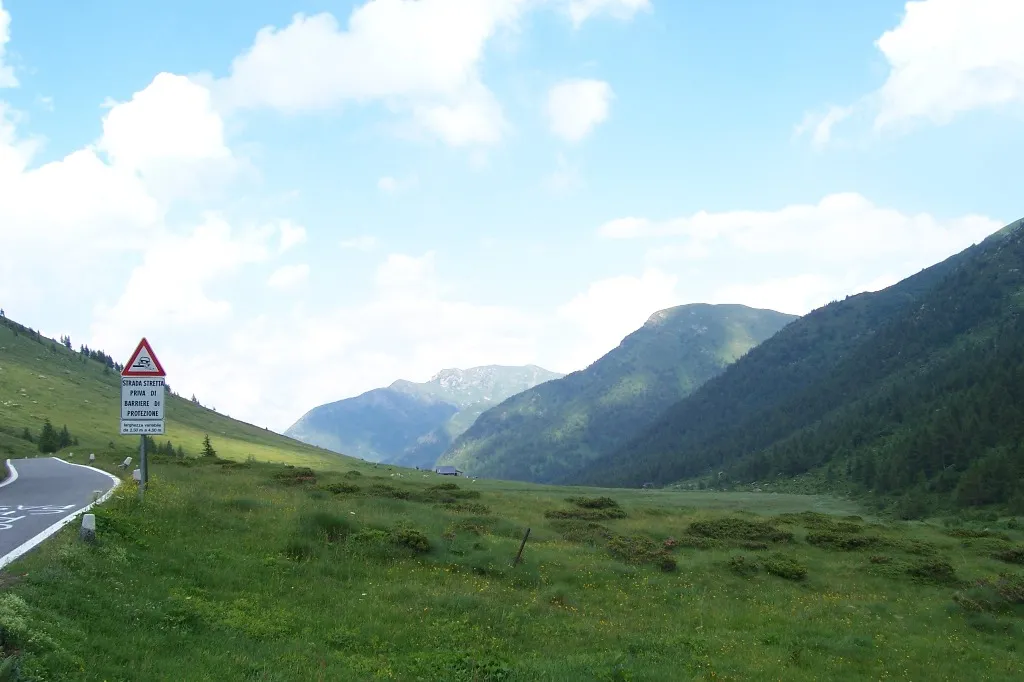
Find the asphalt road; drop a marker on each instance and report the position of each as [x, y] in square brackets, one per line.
[46, 494]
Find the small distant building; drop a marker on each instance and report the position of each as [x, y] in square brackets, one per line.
[447, 471]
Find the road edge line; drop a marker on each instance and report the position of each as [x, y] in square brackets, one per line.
[13, 477]
[36, 540]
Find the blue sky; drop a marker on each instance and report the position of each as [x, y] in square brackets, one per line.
[296, 202]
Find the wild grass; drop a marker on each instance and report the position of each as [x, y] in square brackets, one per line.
[258, 571]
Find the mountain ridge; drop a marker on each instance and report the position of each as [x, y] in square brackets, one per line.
[544, 432]
[850, 390]
[410, 423]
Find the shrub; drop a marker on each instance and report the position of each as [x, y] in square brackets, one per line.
[385, 490]
[352, 473]
[299, 549]
[583, 532]
[586, 514]
[639, 549]
[822, 522]
[327, 525]
[845, 543]
[742, 566]
[1011, 556]
[593, 502]
[1004, 595]
[785, 567]
[295, 475]
[341, 487]
[970, 533]
[880, 559]
[466, 507]
[444, 486]
[732, 528]
[937, 571]
[697, 542]
[411, 538]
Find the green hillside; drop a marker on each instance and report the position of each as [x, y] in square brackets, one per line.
[549, 432]
[233, 568]
[410, 423]
[912, 391]
[42, 379]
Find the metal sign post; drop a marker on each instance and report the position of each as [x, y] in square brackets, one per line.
[142, 401]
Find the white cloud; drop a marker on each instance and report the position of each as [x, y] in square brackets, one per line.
[390, 184]
[947, 57]
[7, 77]
[581, 10]
[365, 242]
[288, 277]
[401, 273]
[170, 136]
[564, 178]
[209, 252]
[801, 256]
[291, 235]
[612, 308]
[576, 106]
[819, 124]
[422, 57]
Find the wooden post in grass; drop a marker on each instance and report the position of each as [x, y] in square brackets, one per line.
[521, 546]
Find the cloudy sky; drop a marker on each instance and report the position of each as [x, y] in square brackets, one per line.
[299, 201]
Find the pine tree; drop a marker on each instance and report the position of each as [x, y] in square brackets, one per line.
[63, 438]
[208, 450]
[48, 439]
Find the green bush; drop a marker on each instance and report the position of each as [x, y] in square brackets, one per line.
[970, 533]
[583, 532]
[341, 487]
[845, 543]
[292, 475]
[385, 490]
[732, 528]
[742, 566]
[586, 514]
[639, 549]
[785, 567]
[938, 571]
[593, 502]
[299, 549]
[352, 473]
[412, 539]
[1005, 595]
[326, 525]
[466, 507]
[1011, 556]
[822, 522]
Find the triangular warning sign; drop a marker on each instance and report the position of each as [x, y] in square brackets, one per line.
[143, 363]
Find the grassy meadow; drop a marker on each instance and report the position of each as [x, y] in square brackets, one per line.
[275, 561]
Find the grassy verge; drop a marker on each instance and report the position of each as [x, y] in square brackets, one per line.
[252, 571]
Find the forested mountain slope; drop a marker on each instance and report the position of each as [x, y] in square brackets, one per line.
[549, 431]
[919, 386]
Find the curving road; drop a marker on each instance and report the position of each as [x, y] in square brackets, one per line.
[41, 496]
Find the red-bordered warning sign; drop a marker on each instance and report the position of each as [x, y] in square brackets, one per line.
[143, 363]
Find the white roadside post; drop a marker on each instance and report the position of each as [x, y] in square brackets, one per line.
[142, 401]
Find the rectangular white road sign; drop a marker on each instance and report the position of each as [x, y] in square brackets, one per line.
[142, 399]
[134, 428]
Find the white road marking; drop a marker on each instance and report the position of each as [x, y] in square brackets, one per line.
[37, 539]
